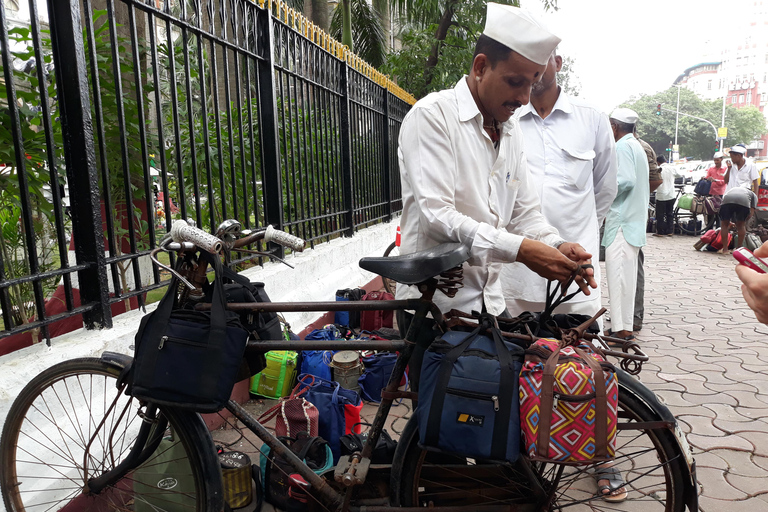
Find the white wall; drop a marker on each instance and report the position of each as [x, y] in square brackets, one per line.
[318, 274]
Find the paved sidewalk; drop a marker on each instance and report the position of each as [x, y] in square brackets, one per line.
[709, 364]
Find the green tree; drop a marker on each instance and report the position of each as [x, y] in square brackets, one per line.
[358, 25]
[438, 42]
[696, 138]
[567, 79]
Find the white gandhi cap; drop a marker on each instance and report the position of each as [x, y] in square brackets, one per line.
[625, 115]
[518, 30]
[739, 149]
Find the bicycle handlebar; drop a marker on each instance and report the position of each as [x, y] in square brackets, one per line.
[182, 232]
[285, 239]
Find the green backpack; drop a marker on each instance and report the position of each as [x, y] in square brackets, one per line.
[685, 202]
[165, 480]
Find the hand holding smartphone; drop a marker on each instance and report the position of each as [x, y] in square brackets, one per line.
[745, 257]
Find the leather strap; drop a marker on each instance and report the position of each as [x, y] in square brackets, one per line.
[601, 404]
[546, 405]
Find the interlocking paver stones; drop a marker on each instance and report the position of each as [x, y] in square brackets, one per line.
[709, 365]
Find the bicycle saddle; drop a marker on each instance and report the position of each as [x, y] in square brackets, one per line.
[419, 266]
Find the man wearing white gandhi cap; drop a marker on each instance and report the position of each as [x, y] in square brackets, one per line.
[626, 222]
[465, 177]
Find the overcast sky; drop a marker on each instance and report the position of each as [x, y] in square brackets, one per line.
[623, 48]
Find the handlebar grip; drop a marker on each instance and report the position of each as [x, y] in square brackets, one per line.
[285, 239]
[183, 232]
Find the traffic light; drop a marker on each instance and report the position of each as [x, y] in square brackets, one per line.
[658, 109]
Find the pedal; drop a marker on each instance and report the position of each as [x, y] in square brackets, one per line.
[352, 471]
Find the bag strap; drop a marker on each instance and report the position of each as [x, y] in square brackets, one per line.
[506, 388]
[217, 334]
[547, 402]
[601, 404]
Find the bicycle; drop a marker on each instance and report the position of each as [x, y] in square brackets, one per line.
[74, 437]
[690, 223]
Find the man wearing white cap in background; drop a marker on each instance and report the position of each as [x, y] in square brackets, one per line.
[743, 173]
[572, 158]
[626, 222]
[465, 177]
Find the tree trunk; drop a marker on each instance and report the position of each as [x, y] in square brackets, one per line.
[440, 34]
[382, 7]
[346, 34]
[319, 13]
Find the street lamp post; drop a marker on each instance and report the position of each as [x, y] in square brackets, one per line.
[677, 110]
[722, 121]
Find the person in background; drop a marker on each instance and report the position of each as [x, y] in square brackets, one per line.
[572, 159]
[665, 199]
[654, 181]
[716, 175]
[737, 206]
[626, 222]
[743, 173]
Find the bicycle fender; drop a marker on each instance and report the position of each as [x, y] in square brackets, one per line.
[118, 361]
[652, 402]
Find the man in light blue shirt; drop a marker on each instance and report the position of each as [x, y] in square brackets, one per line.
[626, 222]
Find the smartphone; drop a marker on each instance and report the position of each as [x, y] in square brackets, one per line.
[745, 257]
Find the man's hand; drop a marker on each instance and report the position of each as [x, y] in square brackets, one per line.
[558, 264]
[577, 253]
[755, 287]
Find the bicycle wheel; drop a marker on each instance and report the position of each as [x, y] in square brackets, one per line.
[392, 250]
[649, 460]
[691, 223]
[71, 423]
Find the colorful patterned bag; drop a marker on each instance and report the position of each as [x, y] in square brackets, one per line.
[581, 390]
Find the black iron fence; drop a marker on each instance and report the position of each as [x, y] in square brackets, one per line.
[119, 116]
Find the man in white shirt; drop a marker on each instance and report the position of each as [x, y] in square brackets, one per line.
[572, 158]
[465, 176]
[743, 173]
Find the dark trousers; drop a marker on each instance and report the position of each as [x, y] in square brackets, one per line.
[664, 217]
[637, 321]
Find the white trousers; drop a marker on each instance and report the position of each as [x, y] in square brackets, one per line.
[587, 307]
[621, 273]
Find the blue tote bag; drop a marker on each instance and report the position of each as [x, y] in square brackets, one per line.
[331, 401]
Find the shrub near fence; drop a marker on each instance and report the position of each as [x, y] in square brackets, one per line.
[129, 109]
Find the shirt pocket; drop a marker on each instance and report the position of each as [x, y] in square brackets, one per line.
[578, 164]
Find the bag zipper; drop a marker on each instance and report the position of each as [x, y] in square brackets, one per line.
[182, 341]
[556, 397]
[476, 396]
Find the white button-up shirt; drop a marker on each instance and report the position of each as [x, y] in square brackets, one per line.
[457, 188]
[744, 176]
[572, 159]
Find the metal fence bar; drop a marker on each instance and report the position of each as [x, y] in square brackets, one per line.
[77, 131]
[310, 142]
[272, 182]
[346, 155]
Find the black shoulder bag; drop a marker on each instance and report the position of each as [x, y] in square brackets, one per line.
[189, 359]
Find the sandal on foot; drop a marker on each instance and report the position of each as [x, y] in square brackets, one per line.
[615, 491]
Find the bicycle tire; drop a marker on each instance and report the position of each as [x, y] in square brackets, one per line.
[684, 217]
[426, 478]
[71, 422]
[389, 285]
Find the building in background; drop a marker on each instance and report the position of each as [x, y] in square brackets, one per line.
[740, 76]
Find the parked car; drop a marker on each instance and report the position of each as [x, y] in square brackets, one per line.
[684, 172]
